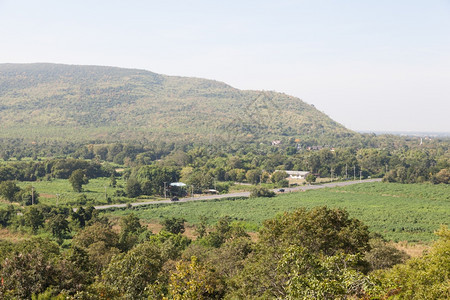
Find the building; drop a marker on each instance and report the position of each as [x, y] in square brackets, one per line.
[296, 174]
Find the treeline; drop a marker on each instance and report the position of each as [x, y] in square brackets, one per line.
[307, 254]
[52, 168]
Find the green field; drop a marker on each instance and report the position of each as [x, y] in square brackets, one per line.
[94, 190]
[399, 212]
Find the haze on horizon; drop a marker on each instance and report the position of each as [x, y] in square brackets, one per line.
[372, 66]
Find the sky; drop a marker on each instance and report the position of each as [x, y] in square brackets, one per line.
[370, 65]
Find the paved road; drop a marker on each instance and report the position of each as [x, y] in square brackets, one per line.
[242, 194]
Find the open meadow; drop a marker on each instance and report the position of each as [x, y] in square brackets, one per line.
[97, 191]
[397, 211]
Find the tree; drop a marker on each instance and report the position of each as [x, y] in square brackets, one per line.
[310, 178]
[253, 176]
[174, 225]
[279, 176]
[27, 196]
[30, 269]
[261, 192]
[34, 218]
[443, 176]
[58, 225]
[130, 273]
[130, 228]
[425, 277]
[192, 280]
[304, 247]
[77, 179]
[133, 188]
[384, 256]
[100, 242]
[8, 190]
[112, 180]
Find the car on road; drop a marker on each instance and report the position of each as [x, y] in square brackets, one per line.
[281, 190]
[174, 199]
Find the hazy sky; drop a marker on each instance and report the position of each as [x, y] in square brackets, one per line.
[370, 65]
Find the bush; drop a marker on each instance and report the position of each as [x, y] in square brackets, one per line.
[261, 192]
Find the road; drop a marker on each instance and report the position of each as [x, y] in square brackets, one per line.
[242, 194]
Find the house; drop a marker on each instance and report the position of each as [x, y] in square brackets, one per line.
[296, 174]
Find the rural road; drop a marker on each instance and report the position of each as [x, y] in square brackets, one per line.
[242, 194]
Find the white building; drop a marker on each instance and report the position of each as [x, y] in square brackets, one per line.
[296, 174]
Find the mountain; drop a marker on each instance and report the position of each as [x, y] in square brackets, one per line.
[81, 103]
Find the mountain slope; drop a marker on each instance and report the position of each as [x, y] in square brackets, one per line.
[51, 101]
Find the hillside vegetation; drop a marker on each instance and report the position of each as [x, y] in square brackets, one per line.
[52, 102]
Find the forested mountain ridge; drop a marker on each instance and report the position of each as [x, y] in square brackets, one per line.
[54, 101]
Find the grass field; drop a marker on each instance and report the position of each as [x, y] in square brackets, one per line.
[95, 190]
[399, 212]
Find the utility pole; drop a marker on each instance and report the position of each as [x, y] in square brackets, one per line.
[165, 189]
[346, 173]
[331, 174]
[360, 175]
[354, 173]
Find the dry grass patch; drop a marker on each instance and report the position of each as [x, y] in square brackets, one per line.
[413, 250]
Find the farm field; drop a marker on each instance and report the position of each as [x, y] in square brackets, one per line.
[399, 212]
[94, 190]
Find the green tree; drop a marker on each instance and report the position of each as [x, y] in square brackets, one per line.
[58, 226]
[112, 180]
[100, 242]
[253, 176]
[305, 239]
[192, 280]
[174, 225]
[77, 179]
[443, 176]
[34, 218]
[27, 196]
[261, 192]
[310, 178]
[133, 188]
[279, 176]
[130, 229]
[8, 190]
[30, 269]
[425, 277]
[130, 273]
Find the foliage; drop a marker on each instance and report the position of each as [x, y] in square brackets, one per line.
[28, 270]
[426, 277]
[8, 190]
[130, 273]
[77, 179]
[383, 256]
[304, 254]
[261, 192]
[443, 176]
[192, 280]
[130, 229]
[58, 226]
[133, 188]
[310, 178]
[173, 225]
[278, 176]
